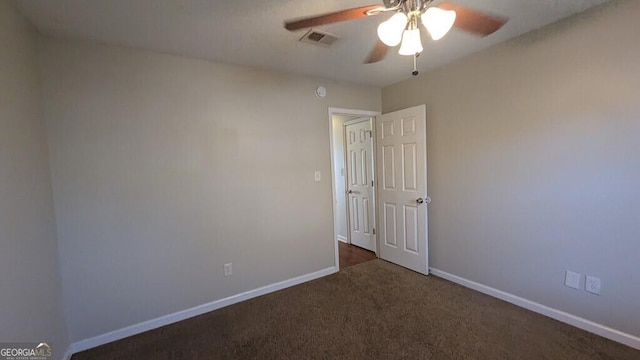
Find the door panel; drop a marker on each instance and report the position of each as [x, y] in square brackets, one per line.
[360, 181]
[411, 242]
[388, 164]
[390, 225]
[355, 216]
[402, 151]
[409, 171]
[366, 215]
[354, 161]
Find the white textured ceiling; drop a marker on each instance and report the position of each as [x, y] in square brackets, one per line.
[250, 32]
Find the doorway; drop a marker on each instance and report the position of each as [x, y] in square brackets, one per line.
[338, 120]
[400, 162]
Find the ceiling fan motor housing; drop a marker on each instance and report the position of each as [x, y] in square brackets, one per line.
[413, 5]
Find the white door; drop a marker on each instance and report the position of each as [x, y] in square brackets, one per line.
[401, 156]
[360, 183]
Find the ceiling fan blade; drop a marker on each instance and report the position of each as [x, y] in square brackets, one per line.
[378, 53]
[474, 21]
[330, 18]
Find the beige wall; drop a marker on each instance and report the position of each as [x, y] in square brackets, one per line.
[534, 164]
[30, 287]
[165, 168]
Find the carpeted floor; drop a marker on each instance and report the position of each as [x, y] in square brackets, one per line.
[374, 310]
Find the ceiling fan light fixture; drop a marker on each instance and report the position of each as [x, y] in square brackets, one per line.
[390, 31]
[438, 21]
[411, 43]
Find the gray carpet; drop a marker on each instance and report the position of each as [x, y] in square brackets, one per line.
[374, 310]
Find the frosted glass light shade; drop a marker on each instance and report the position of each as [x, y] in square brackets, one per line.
[390, 31]
[411, 43]
[438, 21]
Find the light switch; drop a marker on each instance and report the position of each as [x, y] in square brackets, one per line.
[572, 279]
[318, 176]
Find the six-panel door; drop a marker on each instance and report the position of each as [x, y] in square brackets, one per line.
[402, 190]
[360, 183]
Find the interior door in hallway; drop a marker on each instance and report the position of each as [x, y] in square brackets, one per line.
[360, 192]
[401, 157]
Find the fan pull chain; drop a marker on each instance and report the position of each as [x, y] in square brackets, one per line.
[415, 64]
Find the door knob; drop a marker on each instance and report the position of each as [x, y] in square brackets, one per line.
[420, 200]
[350, 191]
[425, 200]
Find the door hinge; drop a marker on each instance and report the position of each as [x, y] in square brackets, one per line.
[373, 231]
[371, 183]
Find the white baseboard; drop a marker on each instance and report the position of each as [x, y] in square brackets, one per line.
[195, 311]
[584, 324]
[342, 238]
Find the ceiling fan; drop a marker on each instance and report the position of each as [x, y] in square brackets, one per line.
[403, 27]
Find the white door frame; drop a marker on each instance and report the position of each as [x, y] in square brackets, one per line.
[348, 112]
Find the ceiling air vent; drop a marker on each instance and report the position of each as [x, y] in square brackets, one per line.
[318, 37]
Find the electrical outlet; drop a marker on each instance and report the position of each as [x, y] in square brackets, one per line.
[317, 176]
[572, 280]
[592, 285]
[228, 270]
